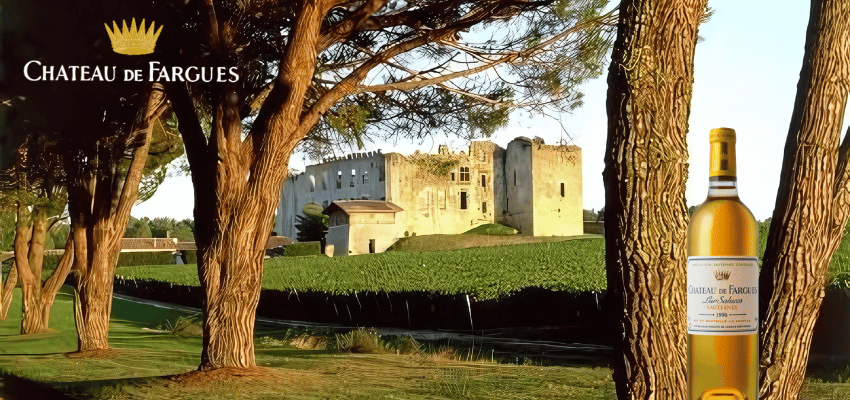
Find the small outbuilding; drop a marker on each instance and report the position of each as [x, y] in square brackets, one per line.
[361, 226]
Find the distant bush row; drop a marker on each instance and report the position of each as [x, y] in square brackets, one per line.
[183, 230]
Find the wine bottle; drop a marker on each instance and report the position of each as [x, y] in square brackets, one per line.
[722, 282]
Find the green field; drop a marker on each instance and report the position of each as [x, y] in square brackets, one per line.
[486, 272]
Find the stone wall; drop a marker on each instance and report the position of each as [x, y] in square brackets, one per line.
[556, 176]
[443, 193]
[519, 189]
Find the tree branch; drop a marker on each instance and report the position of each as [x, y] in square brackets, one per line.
[189, 125]
[343, 29]
[57, 279]
[349, 84]
[153, 108]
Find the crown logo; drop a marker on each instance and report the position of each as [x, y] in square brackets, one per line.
[722, 275]
[133, 41]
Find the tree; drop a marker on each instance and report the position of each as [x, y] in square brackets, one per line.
[100, 198]
[36, 191]
[313, 225]
[137, 228]
[331, 73]
[102, 128]
[164, 226]
[7, 238]
[812, 204]
[650, 81]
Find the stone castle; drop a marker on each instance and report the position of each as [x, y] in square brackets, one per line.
[531, 186]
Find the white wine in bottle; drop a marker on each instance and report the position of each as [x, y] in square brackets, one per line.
[722, 286]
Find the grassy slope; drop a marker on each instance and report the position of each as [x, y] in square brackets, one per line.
[492, 229]
[144, 355]
[488, 272]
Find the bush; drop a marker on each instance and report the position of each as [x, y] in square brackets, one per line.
[303, 249]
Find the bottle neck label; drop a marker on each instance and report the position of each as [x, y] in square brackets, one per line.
[722, 295]
[722, 160]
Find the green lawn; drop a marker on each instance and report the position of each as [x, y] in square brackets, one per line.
[147, 357]
[486, 272]
[147, 361]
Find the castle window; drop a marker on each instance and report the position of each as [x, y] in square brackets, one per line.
[353, 177]
[381, 174]
[339, 179]
[514, 177]
[464, 174]
[324, 184]
[562, 189]
[463, 204]
[484, 207]
[484, 181]
[453, 176]
[365, 177]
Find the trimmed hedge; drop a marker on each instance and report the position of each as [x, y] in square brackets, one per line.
[124, 260]
[191, 256]
[145, 258]
[303, 249]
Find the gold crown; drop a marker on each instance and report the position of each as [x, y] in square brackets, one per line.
[722, 275]
[133, 41]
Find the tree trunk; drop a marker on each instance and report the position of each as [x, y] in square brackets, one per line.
[230, 313]
[29, 257]
[230, 261]
[237, 186]
[812, 204]
[98, 223]
[29, 243]
[650, 82]
[93, 307]
[8, 290]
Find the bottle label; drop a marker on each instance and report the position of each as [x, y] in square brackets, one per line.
[723, 295]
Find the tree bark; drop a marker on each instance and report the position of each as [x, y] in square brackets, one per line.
[93, 306]
[812, 204]
[8, 290]
[650, 82]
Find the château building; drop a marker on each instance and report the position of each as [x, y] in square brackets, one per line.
[531, 186]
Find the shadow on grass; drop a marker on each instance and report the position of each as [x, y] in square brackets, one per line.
[16, 388]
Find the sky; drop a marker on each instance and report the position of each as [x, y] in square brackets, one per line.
[746, 71]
